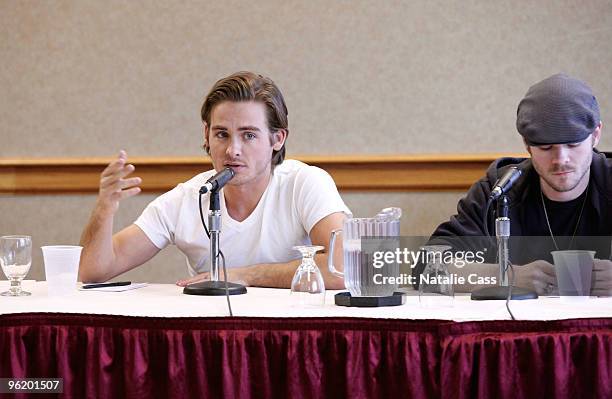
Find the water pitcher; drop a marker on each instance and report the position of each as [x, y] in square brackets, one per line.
[365, 274]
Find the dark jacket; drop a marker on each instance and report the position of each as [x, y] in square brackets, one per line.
[469, 220]
[528, 227]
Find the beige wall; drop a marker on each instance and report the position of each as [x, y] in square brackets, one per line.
[88, 77]
[85, 78]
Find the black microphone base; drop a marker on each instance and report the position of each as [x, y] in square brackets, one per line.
[501, 293]
[214, 288]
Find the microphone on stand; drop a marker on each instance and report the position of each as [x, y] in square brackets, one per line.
[503, 290]
[504, 183]
[218, 181]
[215, 287]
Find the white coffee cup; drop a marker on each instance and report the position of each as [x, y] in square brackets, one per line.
[574, 269]
[61, 268]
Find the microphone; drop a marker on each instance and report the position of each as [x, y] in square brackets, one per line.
[503, 184]
[217, 181]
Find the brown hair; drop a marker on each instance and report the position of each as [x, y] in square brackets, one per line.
[248, 86]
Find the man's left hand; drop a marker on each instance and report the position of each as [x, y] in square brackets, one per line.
[602, 278]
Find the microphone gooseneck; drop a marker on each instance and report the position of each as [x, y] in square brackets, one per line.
[217, 182]
[504, 183]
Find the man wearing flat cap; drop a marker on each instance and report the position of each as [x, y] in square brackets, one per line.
[563, 196]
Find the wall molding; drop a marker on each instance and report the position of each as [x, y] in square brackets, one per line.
[428, 172]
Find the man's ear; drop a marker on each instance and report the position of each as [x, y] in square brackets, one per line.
[596, 135]
[205, 132]
[278, 139]
[527, 147]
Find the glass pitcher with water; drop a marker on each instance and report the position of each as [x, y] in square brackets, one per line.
[364, 273]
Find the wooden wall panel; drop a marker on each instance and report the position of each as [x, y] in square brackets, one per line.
[351, 173]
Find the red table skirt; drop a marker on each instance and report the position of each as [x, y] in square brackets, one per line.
[117, 356]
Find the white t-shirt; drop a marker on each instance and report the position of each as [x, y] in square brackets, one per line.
[297, 197]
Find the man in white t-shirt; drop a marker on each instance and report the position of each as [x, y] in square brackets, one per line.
[267, 208]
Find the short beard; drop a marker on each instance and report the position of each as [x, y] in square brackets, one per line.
[564, 190]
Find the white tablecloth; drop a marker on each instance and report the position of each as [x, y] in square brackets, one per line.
[167, 300]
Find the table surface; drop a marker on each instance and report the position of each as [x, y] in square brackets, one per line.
[167, 300]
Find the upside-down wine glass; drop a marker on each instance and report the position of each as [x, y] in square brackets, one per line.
[307, 284]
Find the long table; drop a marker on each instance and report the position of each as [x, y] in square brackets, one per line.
[157, 342]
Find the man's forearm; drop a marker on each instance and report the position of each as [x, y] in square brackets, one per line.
[280, 275]
[99, 259]
[97, 240]
[270, 275]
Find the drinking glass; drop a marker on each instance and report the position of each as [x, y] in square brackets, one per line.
[15, 259]
[61, 268]
[435, 285]
[307, 284]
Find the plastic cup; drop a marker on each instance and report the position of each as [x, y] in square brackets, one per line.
[61, 268]
[574, 270]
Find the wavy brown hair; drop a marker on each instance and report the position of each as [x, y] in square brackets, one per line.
[248, 86]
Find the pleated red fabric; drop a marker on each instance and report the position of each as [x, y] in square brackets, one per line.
[118, 356]
[115, 356]
[527, 359]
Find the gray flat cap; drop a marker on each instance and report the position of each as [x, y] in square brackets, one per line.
[557, 110]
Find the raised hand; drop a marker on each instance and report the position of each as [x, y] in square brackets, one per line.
[114, 186]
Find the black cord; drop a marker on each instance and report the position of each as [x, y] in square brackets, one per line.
[486, 217]
[229, 305]
[490, 240]
[202, 216]
[510, 290]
